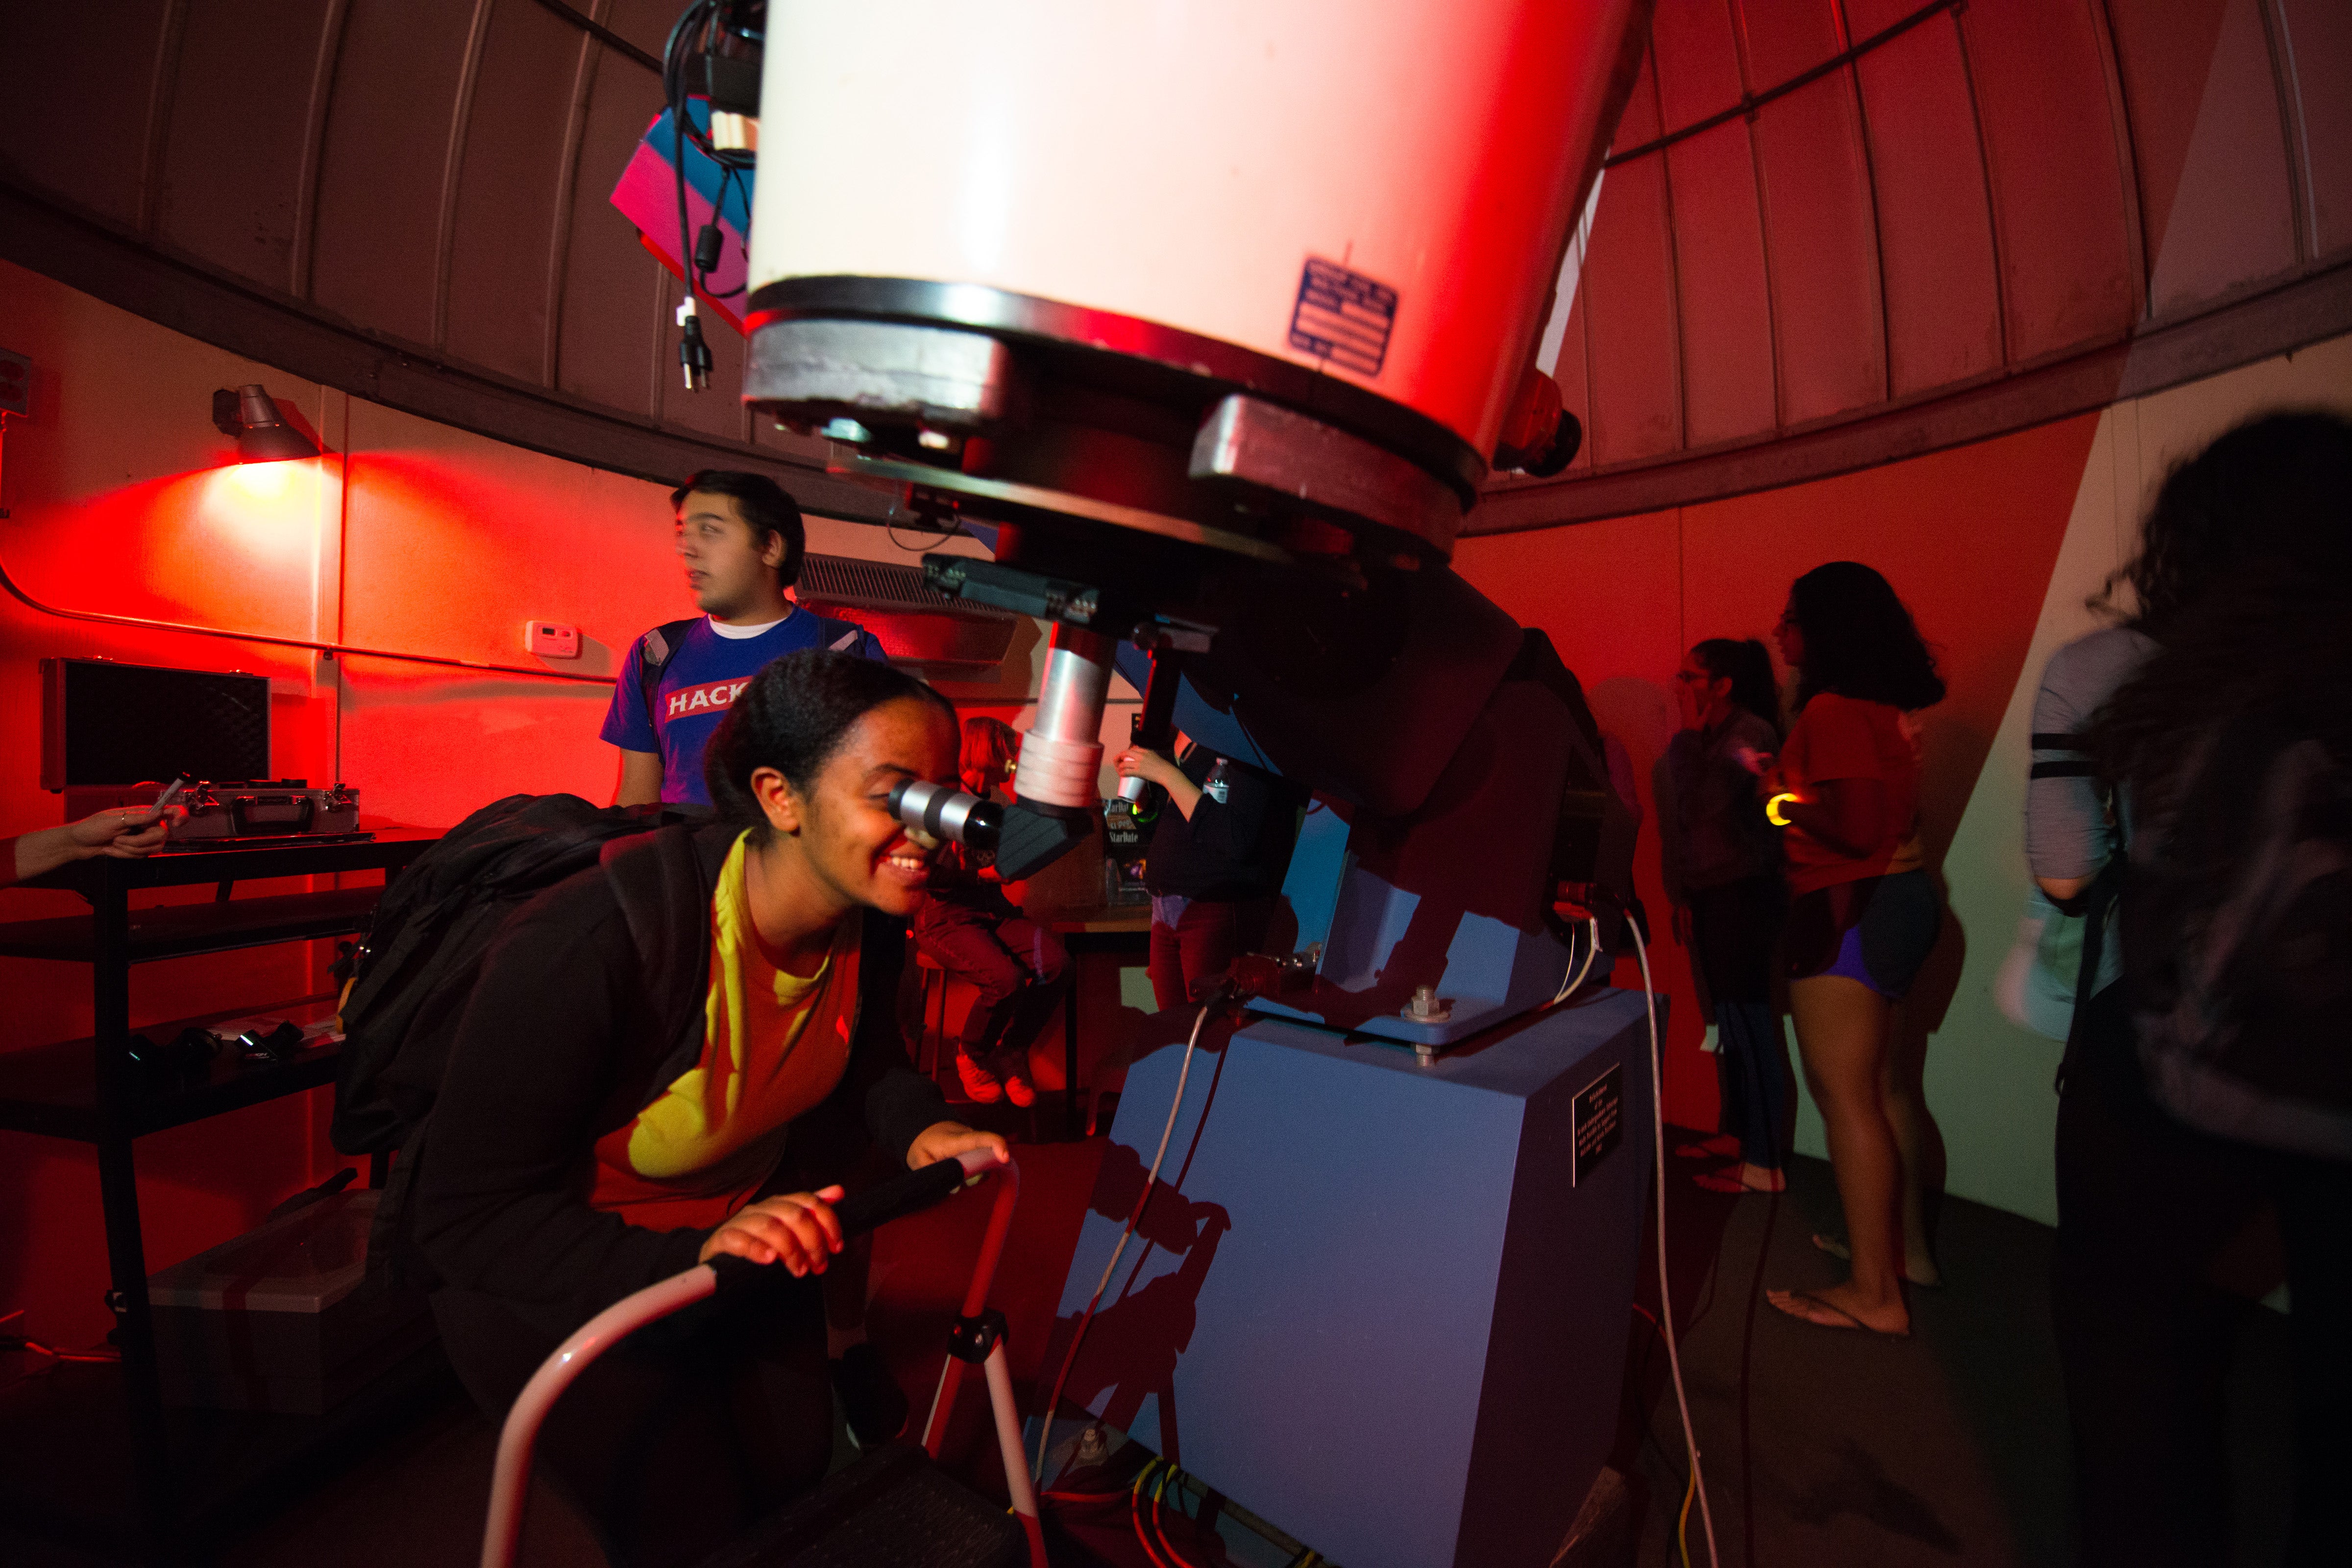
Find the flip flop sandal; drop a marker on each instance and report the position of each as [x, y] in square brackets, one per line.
[1850, 1320]
[1836, 1247]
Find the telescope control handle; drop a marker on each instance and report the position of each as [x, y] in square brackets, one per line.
[873, 1207]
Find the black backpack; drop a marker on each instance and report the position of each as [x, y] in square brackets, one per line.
[2237, 933]
[655, 650]
[426, 946]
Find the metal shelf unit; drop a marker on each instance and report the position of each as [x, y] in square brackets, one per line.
[92, 1091]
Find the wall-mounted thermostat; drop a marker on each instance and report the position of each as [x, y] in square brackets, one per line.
[549, 640]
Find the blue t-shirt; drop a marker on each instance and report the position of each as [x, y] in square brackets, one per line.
[703, 674]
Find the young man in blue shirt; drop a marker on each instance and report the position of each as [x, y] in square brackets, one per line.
[740, 538]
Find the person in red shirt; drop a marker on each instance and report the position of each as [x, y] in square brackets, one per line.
[1863, 915]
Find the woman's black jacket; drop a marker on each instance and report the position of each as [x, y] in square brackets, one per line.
[590, 1004]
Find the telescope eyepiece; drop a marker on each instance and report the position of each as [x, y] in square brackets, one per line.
[945, 813]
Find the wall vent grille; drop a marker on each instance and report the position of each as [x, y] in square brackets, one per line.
[883, 585]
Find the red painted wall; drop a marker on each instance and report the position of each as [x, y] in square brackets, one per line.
[405, 536]
[1967, 537]
[118, 501]
[411, 536]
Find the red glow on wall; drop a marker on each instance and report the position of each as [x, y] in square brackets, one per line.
[186, 547]
[268, 510]
[257, 481]
[1967, 537]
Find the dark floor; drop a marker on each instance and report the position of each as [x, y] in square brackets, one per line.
[1827, 1449]
[1820, 1448]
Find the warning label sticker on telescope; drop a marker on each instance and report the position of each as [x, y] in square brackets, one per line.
[1343, 317]
[1600, 1121]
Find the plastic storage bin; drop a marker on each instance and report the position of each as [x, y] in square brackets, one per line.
[278, 1318]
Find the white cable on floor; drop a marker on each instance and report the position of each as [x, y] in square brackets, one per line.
[1666, 1304]
[1045, 1418]
[1591, 951]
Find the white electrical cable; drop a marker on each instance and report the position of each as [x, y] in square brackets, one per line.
[1045, 1418]
[1591, 951]
[1666, 1304]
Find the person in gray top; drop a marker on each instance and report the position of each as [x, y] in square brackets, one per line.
[2073, 828]
[2239, 652]
[2070, 831]
[1723, 874]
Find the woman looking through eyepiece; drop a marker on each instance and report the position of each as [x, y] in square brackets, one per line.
[630, 1093]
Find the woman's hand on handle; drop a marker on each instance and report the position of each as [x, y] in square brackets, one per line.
[798, 1230]
[945, 1139]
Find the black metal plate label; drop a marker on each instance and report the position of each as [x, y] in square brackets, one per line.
[1600, 1121]
[1343, 317]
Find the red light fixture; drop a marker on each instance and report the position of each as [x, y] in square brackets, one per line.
[251, 416]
